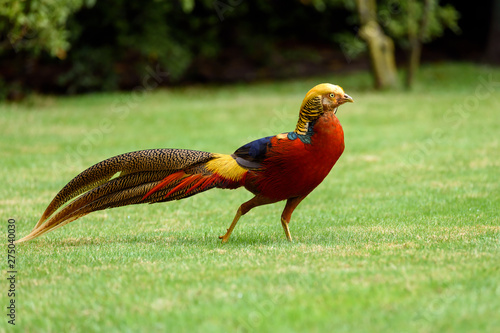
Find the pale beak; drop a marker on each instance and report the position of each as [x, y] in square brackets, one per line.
[347, 98]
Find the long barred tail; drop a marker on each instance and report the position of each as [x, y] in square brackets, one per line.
[146, 176]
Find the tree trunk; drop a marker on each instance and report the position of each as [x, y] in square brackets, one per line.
[493, 48]
[416, 39]
[380, 46]
[413, 62]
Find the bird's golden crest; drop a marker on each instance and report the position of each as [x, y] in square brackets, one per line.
[312, 106]
[322, 89]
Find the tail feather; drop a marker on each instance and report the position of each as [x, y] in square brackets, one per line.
[138, 173]
[133, 162]
[89, 202]
[167, 180]
[184, 188]
[117, 186]
[147, 176]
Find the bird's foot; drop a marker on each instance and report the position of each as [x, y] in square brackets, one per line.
[284, 223]
[225, 238]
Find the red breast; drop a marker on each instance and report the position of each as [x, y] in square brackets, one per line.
[294, 168]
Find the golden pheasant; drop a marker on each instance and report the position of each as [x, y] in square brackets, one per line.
[286, 166]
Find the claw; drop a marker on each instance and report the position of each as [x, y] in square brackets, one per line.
[225, 237]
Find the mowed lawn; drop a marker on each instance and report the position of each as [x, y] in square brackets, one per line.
[402, 236]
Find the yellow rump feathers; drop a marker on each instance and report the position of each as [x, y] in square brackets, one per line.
[226, 166]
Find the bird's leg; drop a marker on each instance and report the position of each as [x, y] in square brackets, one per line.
[287, 230]
[245, 208]
[231, 227]
[291, 204]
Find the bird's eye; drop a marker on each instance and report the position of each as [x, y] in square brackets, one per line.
[332, 95]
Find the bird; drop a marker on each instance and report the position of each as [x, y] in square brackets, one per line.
[287, 166]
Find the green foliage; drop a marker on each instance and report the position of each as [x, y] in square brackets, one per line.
[400, 19]
[403, 18]
[110, 45]
[129, 38]
[91, 69]
[113, 48]
[402, 236]
[37, 25]
[351, 45]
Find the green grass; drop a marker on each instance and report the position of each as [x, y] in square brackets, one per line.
[402, 236]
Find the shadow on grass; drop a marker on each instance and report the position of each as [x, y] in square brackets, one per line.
[175, 239]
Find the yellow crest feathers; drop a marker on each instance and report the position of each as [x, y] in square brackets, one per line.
[312, 106]
[321, 89]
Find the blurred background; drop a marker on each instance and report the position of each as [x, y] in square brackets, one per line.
[80, 46]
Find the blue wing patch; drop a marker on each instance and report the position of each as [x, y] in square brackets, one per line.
[253, 153]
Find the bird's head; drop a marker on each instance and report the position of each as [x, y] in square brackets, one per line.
[324, 97]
